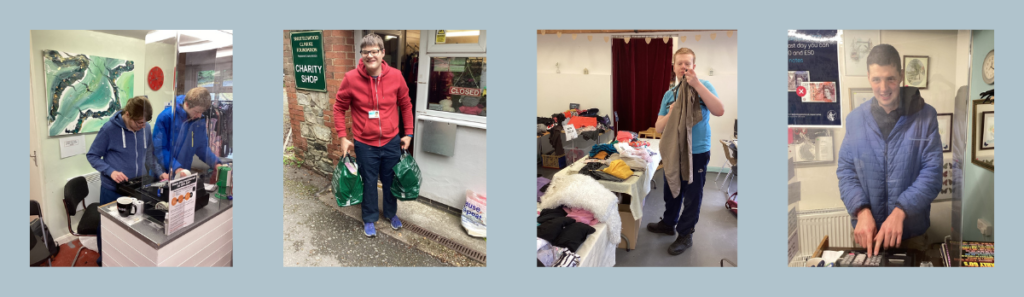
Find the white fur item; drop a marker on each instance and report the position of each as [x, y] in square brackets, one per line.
[581, 191]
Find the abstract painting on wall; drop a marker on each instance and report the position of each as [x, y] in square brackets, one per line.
[83, 91]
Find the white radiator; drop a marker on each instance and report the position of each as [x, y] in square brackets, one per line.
[93, 179]
[816, 224]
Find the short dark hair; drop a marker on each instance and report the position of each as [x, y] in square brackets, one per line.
[885, 55]
[372, 40]
[139, 107]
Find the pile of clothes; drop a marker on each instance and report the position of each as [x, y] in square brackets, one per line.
[570, 207]
[560, 234]
[616, 162]
[587, 122]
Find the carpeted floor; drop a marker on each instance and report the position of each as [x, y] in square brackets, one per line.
[67, 254]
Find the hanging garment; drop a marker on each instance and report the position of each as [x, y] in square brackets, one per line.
[676, 142]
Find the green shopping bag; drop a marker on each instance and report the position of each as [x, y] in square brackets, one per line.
[347, 184]
[406, 185]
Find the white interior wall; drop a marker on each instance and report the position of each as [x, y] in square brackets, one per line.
[556, 90]
[947, 51]
[57, 171]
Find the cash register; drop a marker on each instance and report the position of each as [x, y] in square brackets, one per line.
[149, 190]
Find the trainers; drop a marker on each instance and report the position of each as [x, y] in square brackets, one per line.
[395, 223]
[369, 230]
[682, 243]
[661, 227]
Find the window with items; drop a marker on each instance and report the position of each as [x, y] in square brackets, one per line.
[458, 85]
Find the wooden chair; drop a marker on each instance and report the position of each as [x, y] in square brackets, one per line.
[650, 133]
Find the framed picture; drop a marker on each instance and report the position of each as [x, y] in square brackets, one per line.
[983, 134]
[857, 44]
[988, 130]
[812, 146]
[859, 96]
[797, 78]
[915, 69]
[945, 126]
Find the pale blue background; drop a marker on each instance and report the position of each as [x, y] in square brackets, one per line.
[512, 49]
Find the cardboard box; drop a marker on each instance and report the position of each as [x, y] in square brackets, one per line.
[630, 227]
[554, 161]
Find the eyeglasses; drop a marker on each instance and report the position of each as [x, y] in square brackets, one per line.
[373, 52]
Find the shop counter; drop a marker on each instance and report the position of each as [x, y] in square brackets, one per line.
[130, 242]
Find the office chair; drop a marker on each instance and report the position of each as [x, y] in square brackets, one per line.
[75, 192]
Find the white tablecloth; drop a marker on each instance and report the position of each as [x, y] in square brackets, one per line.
[636, 186]
[596, 251]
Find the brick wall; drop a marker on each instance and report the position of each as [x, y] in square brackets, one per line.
[312, 113]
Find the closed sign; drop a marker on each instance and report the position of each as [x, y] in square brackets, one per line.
[465, 91]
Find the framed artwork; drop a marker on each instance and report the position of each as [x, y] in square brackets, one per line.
[983, 134]
[856, 46]
[945, 126]
[812, 146]
[915, 69]
[84, 91]
[988, 130]
[797, 78]
[859, 96]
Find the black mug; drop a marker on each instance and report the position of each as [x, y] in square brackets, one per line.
[126, 206]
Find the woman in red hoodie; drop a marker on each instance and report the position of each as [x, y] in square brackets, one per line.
[376, 94]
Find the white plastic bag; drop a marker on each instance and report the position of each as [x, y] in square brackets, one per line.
[474, 214]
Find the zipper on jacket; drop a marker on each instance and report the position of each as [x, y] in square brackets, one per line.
[380, 127]
[885, 183]
[135, 137]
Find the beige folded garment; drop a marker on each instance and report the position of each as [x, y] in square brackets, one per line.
[676, 142]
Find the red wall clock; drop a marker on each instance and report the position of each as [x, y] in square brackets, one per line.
[156, 78]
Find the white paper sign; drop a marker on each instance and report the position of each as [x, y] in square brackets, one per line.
[570, 132]
[73, 145]
[182, 202]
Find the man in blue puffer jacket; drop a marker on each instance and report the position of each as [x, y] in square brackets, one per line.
[181, 133]
[890, 163]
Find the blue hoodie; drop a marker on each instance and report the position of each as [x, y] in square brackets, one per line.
[177, 139]
[118, 149]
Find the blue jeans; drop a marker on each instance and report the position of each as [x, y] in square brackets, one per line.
[378, 162]
[106, 196]
[689, 202]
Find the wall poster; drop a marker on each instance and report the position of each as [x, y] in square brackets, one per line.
[815, 103]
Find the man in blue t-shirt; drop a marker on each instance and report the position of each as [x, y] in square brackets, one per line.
[683, 64]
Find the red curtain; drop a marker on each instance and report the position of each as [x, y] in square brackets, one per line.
[641, 73]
